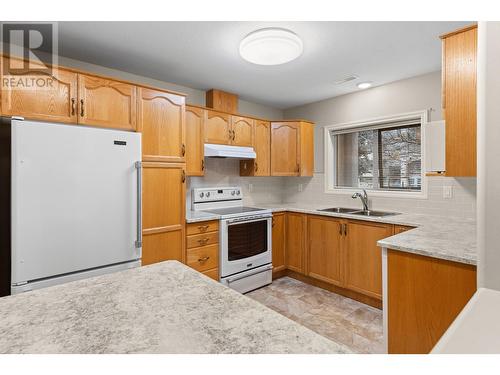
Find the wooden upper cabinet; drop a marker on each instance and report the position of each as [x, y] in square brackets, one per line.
[325, 249]
[261, 166]
[295, 242]
[459, 72]
[195, 162]
[278, 241]
[163, 195]
[292, 148]
[363, 258]
[161, 119]
[285, 149]
[242, 129]
[217, 128]
[222, 101]
[106, 103]
[56, 102]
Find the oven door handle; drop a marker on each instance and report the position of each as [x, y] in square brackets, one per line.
[232, 280]
[242, 221]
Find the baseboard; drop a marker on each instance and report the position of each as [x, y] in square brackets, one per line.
[332, 288]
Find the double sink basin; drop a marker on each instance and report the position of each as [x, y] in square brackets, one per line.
[353, 211]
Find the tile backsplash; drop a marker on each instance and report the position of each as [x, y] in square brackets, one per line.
[264, 190]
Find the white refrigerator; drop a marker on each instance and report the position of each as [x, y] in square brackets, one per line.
[75, 203]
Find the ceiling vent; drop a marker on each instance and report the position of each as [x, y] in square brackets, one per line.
[345, 80]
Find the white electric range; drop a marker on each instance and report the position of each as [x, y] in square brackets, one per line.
[245, 237]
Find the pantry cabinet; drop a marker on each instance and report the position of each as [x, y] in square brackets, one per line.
[217, 128]
[278, 241]
[261, 166]
[459, 83]
[53, 100]
[161, 120]
[163, 204]
[292, 148]
[195, 162]
[106, 103]
[325, 249]
[295, 242]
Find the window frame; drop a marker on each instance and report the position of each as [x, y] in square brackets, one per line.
[330, 162]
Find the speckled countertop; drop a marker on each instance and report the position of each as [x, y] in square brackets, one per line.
[163, 308]
[441, 237]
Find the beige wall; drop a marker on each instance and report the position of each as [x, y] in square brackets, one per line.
[194, 96]
[413, 94]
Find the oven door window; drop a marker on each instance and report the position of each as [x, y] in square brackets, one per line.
[246, 240]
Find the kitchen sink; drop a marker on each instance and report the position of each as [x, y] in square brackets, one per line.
[374, 213]
[339, 210]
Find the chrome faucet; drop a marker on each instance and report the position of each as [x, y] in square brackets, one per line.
[364, 199]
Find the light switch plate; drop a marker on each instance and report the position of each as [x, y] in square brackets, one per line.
[301, 187]
[250, 188]
[447, 192]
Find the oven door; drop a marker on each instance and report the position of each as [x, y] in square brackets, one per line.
[245, 244]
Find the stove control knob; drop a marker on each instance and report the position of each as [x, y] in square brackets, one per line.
[238, 192]
[202, 194]
[208, 194]
[233, 192]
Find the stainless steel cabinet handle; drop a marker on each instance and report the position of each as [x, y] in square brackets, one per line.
[138, 242]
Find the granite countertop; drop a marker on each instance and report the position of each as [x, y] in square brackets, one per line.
[162, 308]
[441, 237]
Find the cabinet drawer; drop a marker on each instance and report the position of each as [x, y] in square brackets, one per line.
[213, 274]
[203, 258]
[202, 227]
[203, 239]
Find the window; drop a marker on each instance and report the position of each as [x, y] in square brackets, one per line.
[383, 155]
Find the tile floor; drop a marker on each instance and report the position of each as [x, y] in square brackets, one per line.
[354, 324]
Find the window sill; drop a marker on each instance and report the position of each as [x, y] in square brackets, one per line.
[379, 193]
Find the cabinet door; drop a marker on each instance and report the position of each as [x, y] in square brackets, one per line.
[278, 242]
[363, 258]
[324, 249]
[295, 242]
[217, 128]
[459, 101]
[195, 162]
[163, 212]
[54, 102]
[242, 131]
[106, 103]
[161, 119]
[285, 150]
[262, 144]
[306, 149]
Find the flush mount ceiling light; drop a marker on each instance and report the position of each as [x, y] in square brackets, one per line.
[271, 46]
[364, 85]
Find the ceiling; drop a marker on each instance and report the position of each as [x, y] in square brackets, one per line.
[204, 55]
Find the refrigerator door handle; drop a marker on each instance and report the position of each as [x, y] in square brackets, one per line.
[138, 242]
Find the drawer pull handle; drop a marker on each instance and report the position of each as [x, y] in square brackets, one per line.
[73, 108]
[203, 228]
[204, 259]
[203, 241]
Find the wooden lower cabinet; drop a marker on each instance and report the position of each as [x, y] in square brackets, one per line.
[202, 244]
[363, 258]
[295, 242]
[324, 249]
[424, 296]
[163, 206]
[278, 241]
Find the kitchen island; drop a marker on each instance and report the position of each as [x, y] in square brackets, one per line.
[162, 308]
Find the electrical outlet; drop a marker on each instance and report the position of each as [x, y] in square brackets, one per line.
[301, 187]
[447, 192]
[250, 188]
